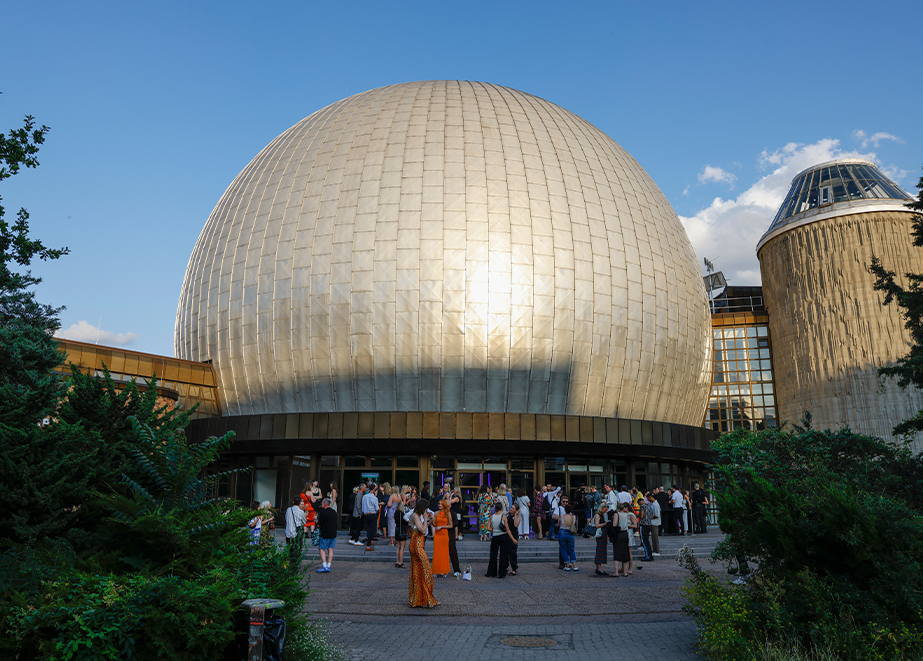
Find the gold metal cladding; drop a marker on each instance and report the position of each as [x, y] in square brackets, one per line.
[448, 246]
[504, 428]
[193, 382]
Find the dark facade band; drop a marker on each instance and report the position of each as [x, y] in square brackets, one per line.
[402, 432]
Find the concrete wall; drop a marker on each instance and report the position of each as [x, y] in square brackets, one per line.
[830, 331]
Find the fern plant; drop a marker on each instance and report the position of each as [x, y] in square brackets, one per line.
[169, 519]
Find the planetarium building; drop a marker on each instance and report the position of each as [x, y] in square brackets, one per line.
[449, 279]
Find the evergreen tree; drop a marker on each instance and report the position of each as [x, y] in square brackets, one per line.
[42, 481]
[909, 369]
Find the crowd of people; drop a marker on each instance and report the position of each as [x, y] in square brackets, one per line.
[629, 520]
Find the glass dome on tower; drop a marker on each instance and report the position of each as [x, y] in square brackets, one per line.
[847, 185]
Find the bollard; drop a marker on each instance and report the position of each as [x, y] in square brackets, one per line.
[258, 608]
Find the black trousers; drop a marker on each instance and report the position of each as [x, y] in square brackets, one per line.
[453, 551]
[355, 527]
[698, 519]
[499, 556]
[512, 557]
[371, 522]
[646, 542]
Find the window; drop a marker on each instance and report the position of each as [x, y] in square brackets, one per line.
[825, 195]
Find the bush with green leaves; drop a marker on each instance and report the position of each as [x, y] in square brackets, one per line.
[833, 524]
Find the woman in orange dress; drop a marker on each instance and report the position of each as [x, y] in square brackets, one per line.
[441, 540]
[421, 574]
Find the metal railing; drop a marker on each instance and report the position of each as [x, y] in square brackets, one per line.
[740, 304]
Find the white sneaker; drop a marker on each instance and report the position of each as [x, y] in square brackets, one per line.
[655, 554]
[575, 568]
[567, 569]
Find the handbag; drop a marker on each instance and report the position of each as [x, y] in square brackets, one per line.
[466, 576]
[315, 537]
[599, 533]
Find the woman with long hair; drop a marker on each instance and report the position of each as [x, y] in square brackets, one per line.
[308, 507]
[400, 528]
[511, 525]
[522, 500]
[621, 553]
[384, 495]
[443, 527]
[538, 512]
[687, 502]
[499, 544]
[485, 505]
[421, 573]
[390, 511]
[455, 505]
[601, 523]
[567, 522]
[333, 494]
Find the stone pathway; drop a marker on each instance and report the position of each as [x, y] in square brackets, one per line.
[540, 614]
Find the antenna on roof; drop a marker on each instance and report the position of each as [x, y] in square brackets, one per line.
[709, 266]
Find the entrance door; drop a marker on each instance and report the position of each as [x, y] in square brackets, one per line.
[470, 484]
[522, 481]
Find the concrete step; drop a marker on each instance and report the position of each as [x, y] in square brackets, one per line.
[472, 550]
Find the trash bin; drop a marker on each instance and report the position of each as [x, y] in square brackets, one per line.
[266, 632]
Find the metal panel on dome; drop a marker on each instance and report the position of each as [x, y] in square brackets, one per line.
[448, 246]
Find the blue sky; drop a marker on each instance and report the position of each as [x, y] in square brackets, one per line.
[154, 108]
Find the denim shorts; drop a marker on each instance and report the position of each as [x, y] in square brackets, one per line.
[326, 544]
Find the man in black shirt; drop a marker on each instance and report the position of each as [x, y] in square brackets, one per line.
[327, 524]
[666, 508]
[700, 499]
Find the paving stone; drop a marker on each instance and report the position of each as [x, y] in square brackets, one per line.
[365, 605]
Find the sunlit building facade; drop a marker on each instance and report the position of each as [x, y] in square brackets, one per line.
[448, 279]
[743, 389]
[830, 330]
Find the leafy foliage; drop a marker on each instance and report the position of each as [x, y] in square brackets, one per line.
[834, 522]
[908, 370]
[168, 519]
[113, 544]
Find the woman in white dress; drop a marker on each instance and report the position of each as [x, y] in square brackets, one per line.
[524, 503]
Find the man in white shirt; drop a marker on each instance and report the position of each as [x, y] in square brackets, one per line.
[370, 512]
[612, 498]
[623, 495]
[679, 506]
[294, 523]
[551, 495]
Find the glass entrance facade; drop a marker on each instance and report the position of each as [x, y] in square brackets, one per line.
[279, 478]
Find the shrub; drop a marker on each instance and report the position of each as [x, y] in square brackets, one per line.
[833, 524]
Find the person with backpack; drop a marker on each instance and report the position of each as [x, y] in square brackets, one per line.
[294, 524]
[591, 502]
[546, 512]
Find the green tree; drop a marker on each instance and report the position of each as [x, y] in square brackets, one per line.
[42, 476]
[833, 523]
[908, 370]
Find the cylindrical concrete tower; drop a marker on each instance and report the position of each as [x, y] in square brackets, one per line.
[830, 330]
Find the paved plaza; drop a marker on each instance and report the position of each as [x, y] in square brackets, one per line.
[542, 613]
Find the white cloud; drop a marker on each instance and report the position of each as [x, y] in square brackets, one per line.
[875, 139]
[83, 331]
[711, 173]
[727, 231]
